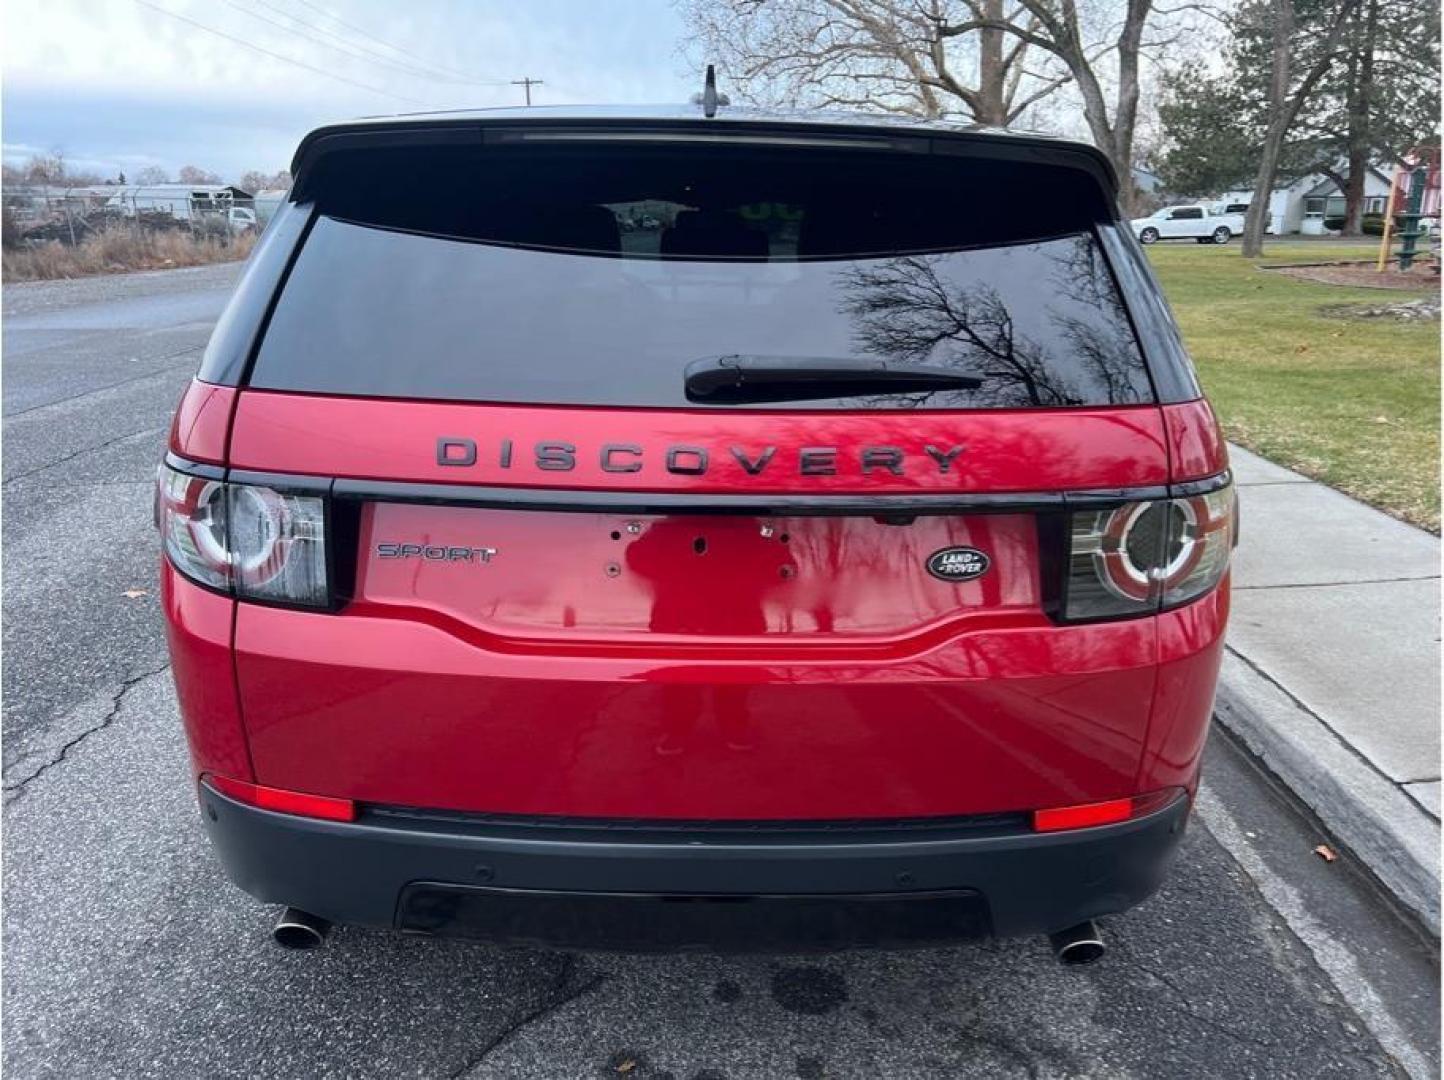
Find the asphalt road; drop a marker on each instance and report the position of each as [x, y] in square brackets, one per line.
[127, 953]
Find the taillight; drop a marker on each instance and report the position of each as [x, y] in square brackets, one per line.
[1088, 815]
[1143, 557]
[248, 539]
[1083, 816]
[191, 516]
[278, 545]
[283, 801]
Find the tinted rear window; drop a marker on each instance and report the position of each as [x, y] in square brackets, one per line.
[595, 275]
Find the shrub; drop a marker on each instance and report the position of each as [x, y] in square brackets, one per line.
[121, 248]
[1370, 224]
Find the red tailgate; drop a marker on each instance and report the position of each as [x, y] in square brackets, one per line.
[685, 664]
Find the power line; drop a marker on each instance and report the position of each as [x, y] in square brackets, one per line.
[528, 82]
[278, 56]
[352, 48]
[315, 41]
[395, 48]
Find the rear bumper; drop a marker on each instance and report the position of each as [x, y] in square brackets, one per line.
[388, 710]
[630, 887]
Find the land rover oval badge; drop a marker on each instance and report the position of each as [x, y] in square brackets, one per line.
[957, 564]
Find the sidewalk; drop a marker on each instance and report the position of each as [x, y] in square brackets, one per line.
[1332, 671]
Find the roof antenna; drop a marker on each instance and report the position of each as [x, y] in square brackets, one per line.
[709, 98]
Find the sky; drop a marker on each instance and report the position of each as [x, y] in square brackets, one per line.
[117, 85]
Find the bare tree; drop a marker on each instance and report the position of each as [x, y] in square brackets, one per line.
[46, 168]
[1288, 91]
[904, 56]
[1059, 29]
[255, 180]
[911, 310]
[51, 169]
[152, 174]
[190, 174]
[891, 55]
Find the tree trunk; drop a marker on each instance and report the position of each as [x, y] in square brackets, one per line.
[992, 72]
[1279, 120]
[1352, 188]
[1125, 116]
[1361, 72]
[1354, 191]
[1114, 136]
[1263, 190]
[1283, 107]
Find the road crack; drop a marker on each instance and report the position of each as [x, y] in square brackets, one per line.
[1187, 1003]
[81, 453]
[1334, 584]
[557, 996]
[168, 370]
[14, 789]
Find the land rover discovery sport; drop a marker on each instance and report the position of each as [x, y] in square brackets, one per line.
[659, 530]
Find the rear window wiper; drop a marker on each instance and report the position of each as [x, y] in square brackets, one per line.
[746, 377]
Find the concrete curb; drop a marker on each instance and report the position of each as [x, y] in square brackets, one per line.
[1368, 813]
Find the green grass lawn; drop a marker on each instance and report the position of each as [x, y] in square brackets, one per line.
[1352, 402]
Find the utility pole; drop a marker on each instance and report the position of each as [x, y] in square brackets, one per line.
[528, 83]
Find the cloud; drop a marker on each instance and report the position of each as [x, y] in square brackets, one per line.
[116, 82]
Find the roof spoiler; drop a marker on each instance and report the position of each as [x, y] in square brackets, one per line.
[507, 126]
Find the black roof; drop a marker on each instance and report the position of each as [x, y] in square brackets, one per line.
[406, 127]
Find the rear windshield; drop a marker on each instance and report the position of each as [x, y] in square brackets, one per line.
[596, 274]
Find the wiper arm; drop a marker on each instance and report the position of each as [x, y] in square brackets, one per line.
[752, 378]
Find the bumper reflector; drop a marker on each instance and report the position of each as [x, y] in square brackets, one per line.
[1101, 813]
[282, 801]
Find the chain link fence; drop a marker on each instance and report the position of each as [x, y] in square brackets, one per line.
[59, 232]
[70, 216]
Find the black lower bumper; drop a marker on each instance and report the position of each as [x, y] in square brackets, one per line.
[599, 885]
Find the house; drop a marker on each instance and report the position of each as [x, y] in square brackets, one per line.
[180, 201]
[1148, 192]
[40, 202]
[1303, 205]
[1146, 181]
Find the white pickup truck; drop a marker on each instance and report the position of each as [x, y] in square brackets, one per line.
[1197, 221]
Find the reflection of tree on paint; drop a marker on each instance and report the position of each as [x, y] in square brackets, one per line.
[1079, 350]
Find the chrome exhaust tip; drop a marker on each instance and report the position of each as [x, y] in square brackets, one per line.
[1078, 945]
[297, 929]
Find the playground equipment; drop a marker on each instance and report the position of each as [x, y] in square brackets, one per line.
[1416, 189]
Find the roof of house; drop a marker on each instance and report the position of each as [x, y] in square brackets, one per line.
[1309, 184]
[1146, 179]
[1328, 186]
[169, 190]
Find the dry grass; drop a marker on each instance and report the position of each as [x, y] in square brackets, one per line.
[120, 250]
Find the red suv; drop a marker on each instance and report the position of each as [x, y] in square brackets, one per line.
[661, 530]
